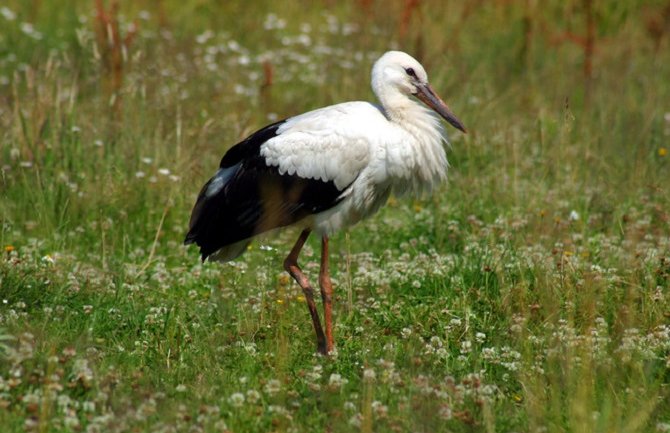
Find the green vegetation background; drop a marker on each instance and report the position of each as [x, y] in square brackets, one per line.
[530, 293]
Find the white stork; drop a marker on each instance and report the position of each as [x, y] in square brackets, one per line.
[325, 170]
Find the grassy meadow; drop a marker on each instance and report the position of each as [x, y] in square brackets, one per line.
[531, 293]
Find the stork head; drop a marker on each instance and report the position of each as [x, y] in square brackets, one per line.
[397, 73]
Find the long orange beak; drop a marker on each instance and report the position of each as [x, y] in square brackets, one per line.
[426, 94]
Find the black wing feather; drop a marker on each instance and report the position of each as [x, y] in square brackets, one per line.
[256, 198]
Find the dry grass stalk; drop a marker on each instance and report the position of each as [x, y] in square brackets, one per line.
[113, 49]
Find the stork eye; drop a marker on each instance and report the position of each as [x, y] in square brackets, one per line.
[410, 72]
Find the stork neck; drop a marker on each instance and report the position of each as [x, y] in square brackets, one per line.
[400, 108]
[412, 116]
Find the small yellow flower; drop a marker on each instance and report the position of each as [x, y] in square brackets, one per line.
[662, 151]
[517, 398]
[280, 301]
[568, 253]
[300, 298]
[9, 248]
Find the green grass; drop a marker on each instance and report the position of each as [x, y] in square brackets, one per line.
[531, 293]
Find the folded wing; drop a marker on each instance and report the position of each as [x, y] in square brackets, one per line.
[276, 177]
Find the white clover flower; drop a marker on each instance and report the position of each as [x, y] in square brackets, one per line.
[280, 410]
[356, 420]
[34, 398]
[7, 13]
[442, 352]
[379, 409]
[445, 412]
[236, 399]
[336, 381]
[204, 37]
[489, 353]
[253, 396]
[29, 30]
[71, 422]
[233, 45]
[81, 371]
[369, 375]
[272, 387]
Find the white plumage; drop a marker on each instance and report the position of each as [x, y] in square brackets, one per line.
[325, 170]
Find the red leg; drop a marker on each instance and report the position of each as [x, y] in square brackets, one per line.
[291, 266]
[326, 293]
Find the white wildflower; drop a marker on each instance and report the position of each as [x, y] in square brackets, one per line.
[7, 13]
[356, 420]
[379, 409]
[253, 396]
[369, 375]
[336, 381]
[236, 399]
[272, 387]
